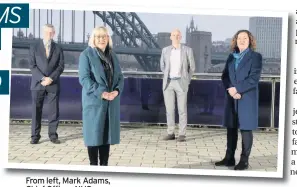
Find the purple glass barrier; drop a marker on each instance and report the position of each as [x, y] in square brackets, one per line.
[20, 97]
[276, 104]
[142, 101]
[70, 98]
[265, 89]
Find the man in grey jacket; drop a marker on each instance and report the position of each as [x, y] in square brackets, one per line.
[178, 65]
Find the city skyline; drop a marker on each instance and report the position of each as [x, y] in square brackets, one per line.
[204, 31]
[206, 23]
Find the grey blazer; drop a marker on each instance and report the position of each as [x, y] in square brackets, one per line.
[187, 65]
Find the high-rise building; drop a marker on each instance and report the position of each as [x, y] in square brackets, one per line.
[268, 34]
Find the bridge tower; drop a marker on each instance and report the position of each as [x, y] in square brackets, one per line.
[200, 42]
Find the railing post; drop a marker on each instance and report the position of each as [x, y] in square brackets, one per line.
[272, 103]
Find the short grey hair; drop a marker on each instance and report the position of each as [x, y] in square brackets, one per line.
[48, 26]
[92, 37]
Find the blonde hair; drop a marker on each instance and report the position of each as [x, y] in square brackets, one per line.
[92, 37]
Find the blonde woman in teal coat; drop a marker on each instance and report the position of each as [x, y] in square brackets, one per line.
[102, 84]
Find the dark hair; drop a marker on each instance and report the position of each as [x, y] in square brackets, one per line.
[252, 41]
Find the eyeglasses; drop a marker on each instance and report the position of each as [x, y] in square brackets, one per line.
[101, 36]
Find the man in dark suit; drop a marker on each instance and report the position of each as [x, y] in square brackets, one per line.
[46, 64]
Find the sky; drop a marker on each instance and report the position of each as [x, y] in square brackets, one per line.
[221, 27]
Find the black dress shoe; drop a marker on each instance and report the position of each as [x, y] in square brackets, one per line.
[34, 141]
[104, 164]
[55, 141]
[242, 166]
[226, 162]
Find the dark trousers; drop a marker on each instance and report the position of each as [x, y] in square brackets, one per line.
[103, 151]
[247, 142]
[53, 113]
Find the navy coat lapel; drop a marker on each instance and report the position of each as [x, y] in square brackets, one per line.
[232, 68]
[232, 65]
[98, 68]
[244, 60]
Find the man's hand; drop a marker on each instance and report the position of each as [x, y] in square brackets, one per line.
[46, 81]
[43, 83]
[232, 91]
[237, 96]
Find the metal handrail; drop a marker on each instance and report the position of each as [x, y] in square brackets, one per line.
[68, 71]
[205, 76]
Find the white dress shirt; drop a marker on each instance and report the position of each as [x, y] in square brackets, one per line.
[175, 63]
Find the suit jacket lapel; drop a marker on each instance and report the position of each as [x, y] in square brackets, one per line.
[53, 47]
[182, 51]
[42, 50]
[168, 54]
[96, 62]
[245, 59]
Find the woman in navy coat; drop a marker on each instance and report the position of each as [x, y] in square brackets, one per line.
[240, 79]
[102, 84]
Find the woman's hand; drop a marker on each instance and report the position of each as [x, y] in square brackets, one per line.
[110, 96]
[105, 95]
[232, 91]
[113, 95]
[237, 96]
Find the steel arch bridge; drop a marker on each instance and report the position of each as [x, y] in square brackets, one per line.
[133, 33]
[126, 25]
